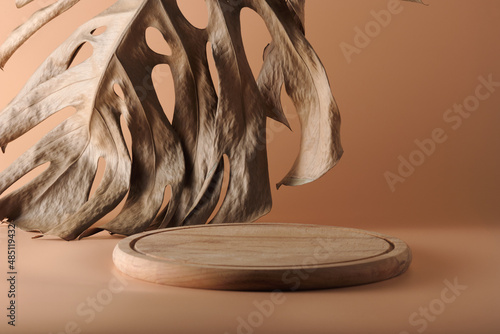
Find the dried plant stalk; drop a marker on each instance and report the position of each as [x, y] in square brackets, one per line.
[34, 23]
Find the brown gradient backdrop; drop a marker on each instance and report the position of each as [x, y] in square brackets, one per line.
[392, 93]
[395, 91]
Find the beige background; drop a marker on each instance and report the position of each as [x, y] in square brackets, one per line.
[395, 91]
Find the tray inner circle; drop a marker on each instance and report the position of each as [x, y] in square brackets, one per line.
[261, 245]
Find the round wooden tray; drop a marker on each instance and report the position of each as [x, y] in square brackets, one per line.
[261, 256]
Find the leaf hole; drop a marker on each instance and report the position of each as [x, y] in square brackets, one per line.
[212, 67]
[163, 81]
[98, 31]
[256, 38]
[99, 175]
[224, 188]
[119, 91]
[195, 12]
[26, 178]
[167, 196]
[156, 42]
[83, 52]
[284, 147]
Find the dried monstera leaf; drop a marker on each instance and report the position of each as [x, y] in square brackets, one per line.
[187, 155]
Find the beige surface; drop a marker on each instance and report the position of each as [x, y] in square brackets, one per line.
[58, 280]
[261, 257]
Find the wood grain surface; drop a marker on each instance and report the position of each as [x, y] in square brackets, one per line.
[263, 256]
